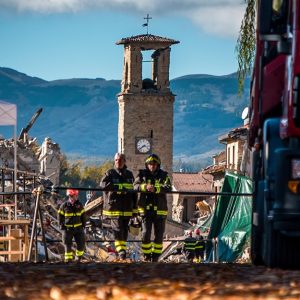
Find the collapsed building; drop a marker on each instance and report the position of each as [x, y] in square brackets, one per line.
[42, 160]
[190, 209]
[40, 164]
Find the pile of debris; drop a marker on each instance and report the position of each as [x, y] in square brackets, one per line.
[99, 236]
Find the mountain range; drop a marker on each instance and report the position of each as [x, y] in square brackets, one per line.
[81, 114]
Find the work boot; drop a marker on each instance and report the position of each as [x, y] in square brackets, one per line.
[122, 255]
[155, 257]
[78, 259]
[68, 261]
[147, 258]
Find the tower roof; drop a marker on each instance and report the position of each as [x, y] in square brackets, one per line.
[145, 39]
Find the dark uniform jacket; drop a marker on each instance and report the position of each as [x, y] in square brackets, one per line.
[71, 215]
[117, 203]
[153, 202]
[200, 246]
[189, 244]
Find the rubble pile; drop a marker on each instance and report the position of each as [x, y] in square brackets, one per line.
[99, 236]
[40, 165]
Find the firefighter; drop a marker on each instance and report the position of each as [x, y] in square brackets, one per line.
[118, 205]
[189, 246]
[200, 246]
[72, 219]
[152, 206]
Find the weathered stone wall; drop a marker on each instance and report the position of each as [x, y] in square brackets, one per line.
[163, 63]
[146, 106]
[132, 70]
[219, 158]
[174, 229]
[50, 158]
[177, 208]
[146, 115]
[26, 158]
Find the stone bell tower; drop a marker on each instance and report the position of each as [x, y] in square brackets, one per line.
[146, 104]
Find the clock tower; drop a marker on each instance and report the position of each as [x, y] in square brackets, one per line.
[146, 104]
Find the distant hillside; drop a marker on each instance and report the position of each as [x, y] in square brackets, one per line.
[206, 107]
[82, 114]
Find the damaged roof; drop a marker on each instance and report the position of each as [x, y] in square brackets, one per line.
[192, 182]
[146, 38]
[234, 133]
[214, 169]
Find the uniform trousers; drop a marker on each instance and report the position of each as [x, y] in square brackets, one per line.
[78, 234]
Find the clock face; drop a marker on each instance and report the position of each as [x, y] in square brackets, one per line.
[143, 145]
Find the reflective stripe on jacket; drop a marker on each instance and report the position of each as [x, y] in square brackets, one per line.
[189, 244]
[155, 202]
[200, 245]
[71, 215]
[118, 203]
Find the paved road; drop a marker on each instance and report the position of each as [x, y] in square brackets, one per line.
[139, 281]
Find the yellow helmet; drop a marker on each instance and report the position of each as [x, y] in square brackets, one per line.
[153, 158]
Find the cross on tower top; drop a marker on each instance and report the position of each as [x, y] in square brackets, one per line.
[147, 24]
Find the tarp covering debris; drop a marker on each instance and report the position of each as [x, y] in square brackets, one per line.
[231, 223]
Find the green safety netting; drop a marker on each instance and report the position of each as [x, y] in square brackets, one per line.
[231, 222]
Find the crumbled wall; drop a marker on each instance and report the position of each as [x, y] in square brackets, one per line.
[31, 157]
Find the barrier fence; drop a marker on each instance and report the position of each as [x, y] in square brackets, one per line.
[38, 214]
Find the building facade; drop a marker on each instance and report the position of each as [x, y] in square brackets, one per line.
[186, 208]
[233, 158]
[146, 104]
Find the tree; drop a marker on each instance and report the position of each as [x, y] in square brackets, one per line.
[245, 47]
[91, 175]
[78, 175]
[70, 174]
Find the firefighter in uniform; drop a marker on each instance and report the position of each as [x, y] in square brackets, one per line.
[200, 246]
[119, 206]
[72, 219]
[189, 246]
[152, 206]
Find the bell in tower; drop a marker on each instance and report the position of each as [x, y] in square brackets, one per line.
[146, 104]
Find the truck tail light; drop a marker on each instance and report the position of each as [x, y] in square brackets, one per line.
[294, 182]
[294, 186]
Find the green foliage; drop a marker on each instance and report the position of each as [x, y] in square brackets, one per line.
[245, 47]
[77, 175]
[91, 175]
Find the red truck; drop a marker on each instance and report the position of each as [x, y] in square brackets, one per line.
[274, 135]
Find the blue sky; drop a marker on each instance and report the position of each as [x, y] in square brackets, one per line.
[58, 39]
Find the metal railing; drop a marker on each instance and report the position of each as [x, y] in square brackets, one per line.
[23, 179]
[199, 193]
[39, 216]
